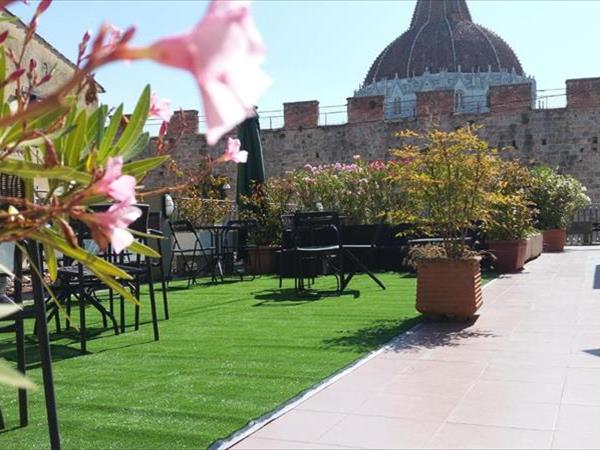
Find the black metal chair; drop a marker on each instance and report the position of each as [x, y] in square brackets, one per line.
[11, 186]
[194, 260]
[317, 242]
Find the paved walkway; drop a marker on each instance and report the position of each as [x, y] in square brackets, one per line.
[525, 375]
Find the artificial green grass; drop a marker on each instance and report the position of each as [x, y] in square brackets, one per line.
[230, 353]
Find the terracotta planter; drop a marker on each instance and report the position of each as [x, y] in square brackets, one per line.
[450, 288]
[263, 260]
[554, 240]
[510, 255]
[535, 245]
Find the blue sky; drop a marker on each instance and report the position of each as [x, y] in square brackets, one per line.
[321, 50]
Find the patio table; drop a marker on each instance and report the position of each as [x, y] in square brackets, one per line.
[217, 232]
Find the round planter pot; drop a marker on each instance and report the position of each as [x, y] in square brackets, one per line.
[510, 255]
[450, 288]
[554, 240]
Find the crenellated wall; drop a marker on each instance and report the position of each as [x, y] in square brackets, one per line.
[564, 137]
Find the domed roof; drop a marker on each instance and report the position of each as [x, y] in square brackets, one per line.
[442, 36]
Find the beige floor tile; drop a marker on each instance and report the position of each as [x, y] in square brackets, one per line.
[297, 425]
[582, 394]
[578, 417]
[450, 369]
[520, 372]
[492, 391]
[534, 416]
[459, 436]
[428, 384]
[337, 399]
[583, 375]
[430, 408]
[380, 432]
[570, 439]
[253, 443]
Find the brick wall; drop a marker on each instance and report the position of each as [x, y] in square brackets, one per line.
[583, 93]
[301, 114]
[365, 109]
[433, 103]
[183, 122]
[564, 137]
[514, 97]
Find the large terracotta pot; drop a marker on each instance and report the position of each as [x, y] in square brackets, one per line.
[450, 288]
[554, 240]
[510, 255]
[263, 260]
[535, 245]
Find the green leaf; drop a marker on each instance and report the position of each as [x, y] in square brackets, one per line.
[40, 123]
[108, 138]
[96, 125]
[140, 168]
[139, 146]
[30, 170]
[142, 249]
[50, 255]
[115, 285]
[135, 126]
[14, 378]
[76, 141]
[2, 75]
[97, 265]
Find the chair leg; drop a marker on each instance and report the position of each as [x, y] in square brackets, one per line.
[136, 293]
[82, 330]
[152, 299]
[21, 367]
[68, 318]
[163, 286]
[111, 302]
[122, 313]
[44, 349]
[2, 425]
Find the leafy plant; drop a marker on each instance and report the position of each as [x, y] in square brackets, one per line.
[447, 181]
[557, 197]
[268, 202]
[511, 212]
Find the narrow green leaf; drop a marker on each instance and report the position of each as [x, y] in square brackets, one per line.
[95, 126]
[30, 170]
[98, 265]
[140, 168]
[142, 249]
[115, 285]
[2, 74]
[76, 141]
[135, 126]
[14, 378]
[50, 255]
[139, 146]
[108, 139]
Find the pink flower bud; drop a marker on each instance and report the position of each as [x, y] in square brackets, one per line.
[42, 7]
[3, 36]
[15, 75]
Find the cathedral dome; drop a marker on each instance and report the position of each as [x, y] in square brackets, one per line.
[442, 37]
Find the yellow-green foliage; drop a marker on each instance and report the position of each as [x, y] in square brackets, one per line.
[447, 180]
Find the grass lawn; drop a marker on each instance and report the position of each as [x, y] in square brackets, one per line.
[230, 353]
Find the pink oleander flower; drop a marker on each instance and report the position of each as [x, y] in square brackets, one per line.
[111, 226]
[223, 52]
[114, 184]
[233, 152]
[160, 107]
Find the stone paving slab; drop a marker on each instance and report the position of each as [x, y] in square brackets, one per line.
[525, 374]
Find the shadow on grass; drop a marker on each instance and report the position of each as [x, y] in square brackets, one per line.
[8, 351]
[371, 337]
[291, 297]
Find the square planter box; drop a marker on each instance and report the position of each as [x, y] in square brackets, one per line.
[449, 288]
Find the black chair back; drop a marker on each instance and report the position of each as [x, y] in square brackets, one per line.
[316, 228]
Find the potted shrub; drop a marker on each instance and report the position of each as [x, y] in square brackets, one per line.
[446, 177]
[557, 198]
[268, 202]
[510, 220]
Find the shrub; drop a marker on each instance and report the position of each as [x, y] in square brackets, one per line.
[557, 197]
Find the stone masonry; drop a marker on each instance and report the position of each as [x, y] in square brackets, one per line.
[566, 138]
